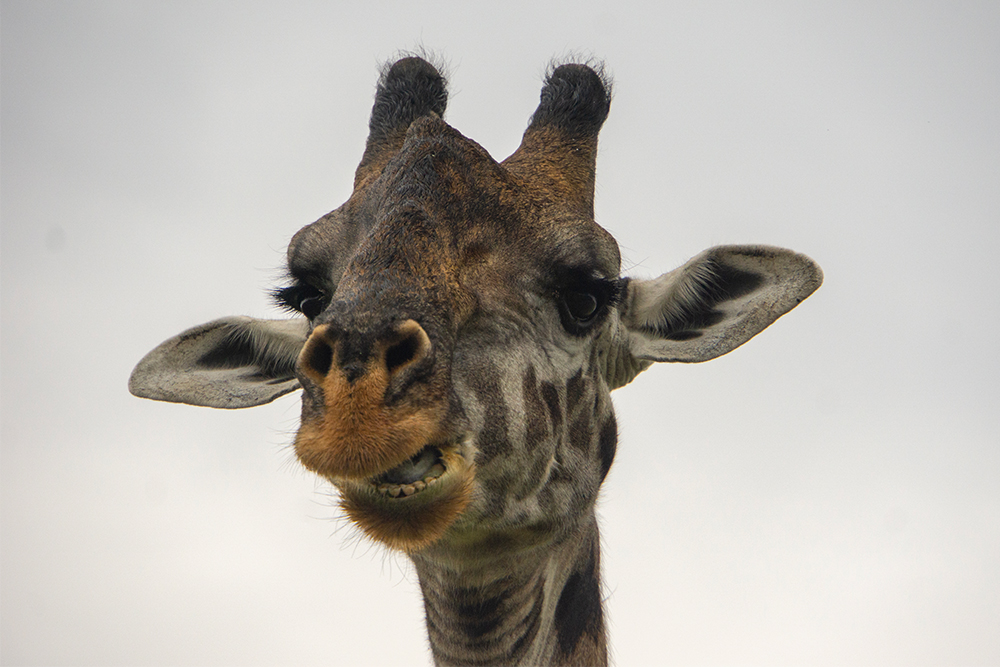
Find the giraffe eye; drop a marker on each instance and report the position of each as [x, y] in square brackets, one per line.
[303, 298]
[581, 305]
[311, 306]
[580, 310]
[583, 300]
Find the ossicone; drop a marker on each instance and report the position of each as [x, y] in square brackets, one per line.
[576, 99]
[409, 89]
[558, 152]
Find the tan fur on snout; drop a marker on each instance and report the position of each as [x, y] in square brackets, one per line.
[357, 435]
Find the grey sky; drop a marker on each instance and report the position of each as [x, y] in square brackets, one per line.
[827, 494]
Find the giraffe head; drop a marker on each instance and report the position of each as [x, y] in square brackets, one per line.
[461, 323]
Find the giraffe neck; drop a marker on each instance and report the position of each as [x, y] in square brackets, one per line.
[539, 607]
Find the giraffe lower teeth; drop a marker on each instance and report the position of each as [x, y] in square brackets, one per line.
[429, 478]
[414, 469]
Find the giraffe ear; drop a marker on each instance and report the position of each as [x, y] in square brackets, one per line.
[716, 302]
[235, 362]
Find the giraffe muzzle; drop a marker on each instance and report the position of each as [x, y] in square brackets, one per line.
[375, 423]
[366, 413]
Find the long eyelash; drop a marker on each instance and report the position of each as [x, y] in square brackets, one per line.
[289, 298]
[616, 290]
[611, 290]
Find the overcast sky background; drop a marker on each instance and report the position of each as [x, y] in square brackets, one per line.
[827, 494]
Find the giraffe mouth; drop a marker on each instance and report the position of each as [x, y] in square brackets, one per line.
[422, 470]
[411, 505]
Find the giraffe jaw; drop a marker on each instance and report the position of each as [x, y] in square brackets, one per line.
[412, 505]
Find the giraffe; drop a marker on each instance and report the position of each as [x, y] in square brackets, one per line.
[458, 325]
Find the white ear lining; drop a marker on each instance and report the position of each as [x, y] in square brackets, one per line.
[715, 302]
[234, 362]
[671, 298]
[275, 344]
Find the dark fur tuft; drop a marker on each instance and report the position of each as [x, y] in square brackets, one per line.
[408, 88]
[576, 98]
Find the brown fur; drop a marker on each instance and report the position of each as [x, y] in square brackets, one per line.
[357, 435]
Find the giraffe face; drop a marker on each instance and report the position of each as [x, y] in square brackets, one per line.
[445, 255]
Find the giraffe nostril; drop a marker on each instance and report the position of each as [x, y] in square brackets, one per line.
[320, 357]
[401, 353]
[410, 345]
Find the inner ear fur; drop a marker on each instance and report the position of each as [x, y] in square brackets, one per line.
[715, 302]
[234, 362]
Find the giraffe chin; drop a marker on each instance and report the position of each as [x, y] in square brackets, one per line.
[409, 515]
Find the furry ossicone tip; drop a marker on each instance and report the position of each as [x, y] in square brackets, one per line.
[409, 86]
[437, 62]
[597, 65]
[576, 96]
